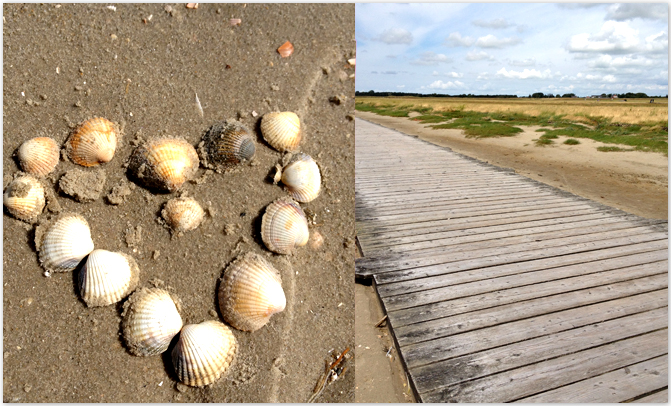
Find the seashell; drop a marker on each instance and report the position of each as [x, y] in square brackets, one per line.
[150, 321]
[302, 178]
[286, 49]
[227, 144]
[250, 292]
[164, 163]
[24, 198]
[282, 130]
[204, 352]
[183, 214]
[39, 156]
[107, 277]
[284, 226]
[93, 142]
[65, 243]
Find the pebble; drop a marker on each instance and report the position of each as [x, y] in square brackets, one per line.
[181, 387]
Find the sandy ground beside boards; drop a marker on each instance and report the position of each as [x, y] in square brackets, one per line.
[636, 182]
[64, 64]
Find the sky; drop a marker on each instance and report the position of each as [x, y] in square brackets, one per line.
[513, 48]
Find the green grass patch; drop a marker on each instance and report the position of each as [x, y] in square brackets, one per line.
[613, 149]
[541, 142]
[430, 119]
[571, 141]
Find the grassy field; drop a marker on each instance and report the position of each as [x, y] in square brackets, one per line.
[636, 123]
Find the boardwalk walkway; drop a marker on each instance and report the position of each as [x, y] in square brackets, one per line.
[501, 289]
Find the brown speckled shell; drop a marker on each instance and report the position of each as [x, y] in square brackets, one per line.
[93, 142]
[183, 214]
[227, 144]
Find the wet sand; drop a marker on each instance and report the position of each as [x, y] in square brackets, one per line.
[141, 67]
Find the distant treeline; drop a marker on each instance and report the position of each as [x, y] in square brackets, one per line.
[507, 96]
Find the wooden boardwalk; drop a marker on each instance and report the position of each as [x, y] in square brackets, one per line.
[499, 288]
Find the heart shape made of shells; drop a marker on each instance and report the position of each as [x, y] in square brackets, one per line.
[250, 291]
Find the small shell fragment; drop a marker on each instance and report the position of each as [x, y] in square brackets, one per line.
[191, 5]
[93, 142]
[250, 292]
[282, 130]
[164, 163]
[302, 178]
[204, 352]
[183, 214]
[150, 321]
[284, 226]
[65, 243]
[24, 198]
[227, 144]
[286, 49]
[107, 277]
[39, 156]
[235, 21]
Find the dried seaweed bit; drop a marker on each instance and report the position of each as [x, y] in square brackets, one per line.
[286, 49]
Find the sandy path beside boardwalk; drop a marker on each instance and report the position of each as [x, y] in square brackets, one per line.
[636, 182]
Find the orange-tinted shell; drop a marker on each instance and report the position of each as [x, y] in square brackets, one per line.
[93, 142]
[24, 198]
[282, 130]
[164, 163]
[284, 226]
[286, 49]
[39, 156]
[183, 214]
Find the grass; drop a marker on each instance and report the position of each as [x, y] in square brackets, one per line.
[613, 149]
[571, 141]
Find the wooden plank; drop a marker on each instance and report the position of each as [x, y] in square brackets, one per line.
[553, 373]
[612, 387]
[493, 361]
[480, 339]
[465, 315]
[657, 397]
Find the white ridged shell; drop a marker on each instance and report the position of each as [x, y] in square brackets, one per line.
[164, 163]
[24, 198]
[107, 277]
[284, 226]
[150, 321]
[250, 292]
[93, 142]
[39, 156]
[65, 243]
[302, 178]
[183, 214]
[282, 130]
[204, 352]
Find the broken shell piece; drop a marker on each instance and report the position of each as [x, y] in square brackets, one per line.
[107, 277]
[282, 130]
[203, 353]
[284, 226]
[250, 292]
[183, 214]
[227, 144]
[65, 243]
[191, 5]
[24, 198]
[164, 163]
[286, 49]
[93, 142]
[150, 321]
[302, 178]
[39, 156]
[352, 61]
[235, 21]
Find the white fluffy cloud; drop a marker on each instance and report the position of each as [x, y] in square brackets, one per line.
[524, 62]
[497, 23]
[395, 36]
[607, 62]
[525, 74]
[599, 78]
[439, 84]
[430, 58]
[448, 74]
[456, 40]
[629, 11]
[613, 38]
[490, 41]
[479, 56]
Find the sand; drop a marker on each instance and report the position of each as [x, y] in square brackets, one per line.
[141, 67]
[633, 181]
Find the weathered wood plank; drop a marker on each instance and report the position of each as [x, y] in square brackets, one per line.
[657, 397]
[612, 387]
[553, 373]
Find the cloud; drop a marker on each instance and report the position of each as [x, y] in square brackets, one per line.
[439, 84]
[430, 58]
[524, 62]
[629, 11]
[456, 40]
[657, 43]
[497, 23]
[490, 41]
[400, 86]
[525, 74]
[599, 78]
[614, 38]
[478, 56]
[573, 6]
[389, 72]
[395, 36]
[448, 74]
[607, 62]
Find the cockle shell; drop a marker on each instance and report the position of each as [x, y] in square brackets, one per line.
[39, 156]
[286, 49]
[227, 144]
[65, 243]
[150, 321]
[204, 352]
[284, 226]
[24, 198]
[183, 214]
[282, 130]
[107, 277]
[302, 178]
[93, 142]
[250, 292]
[164, 163]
